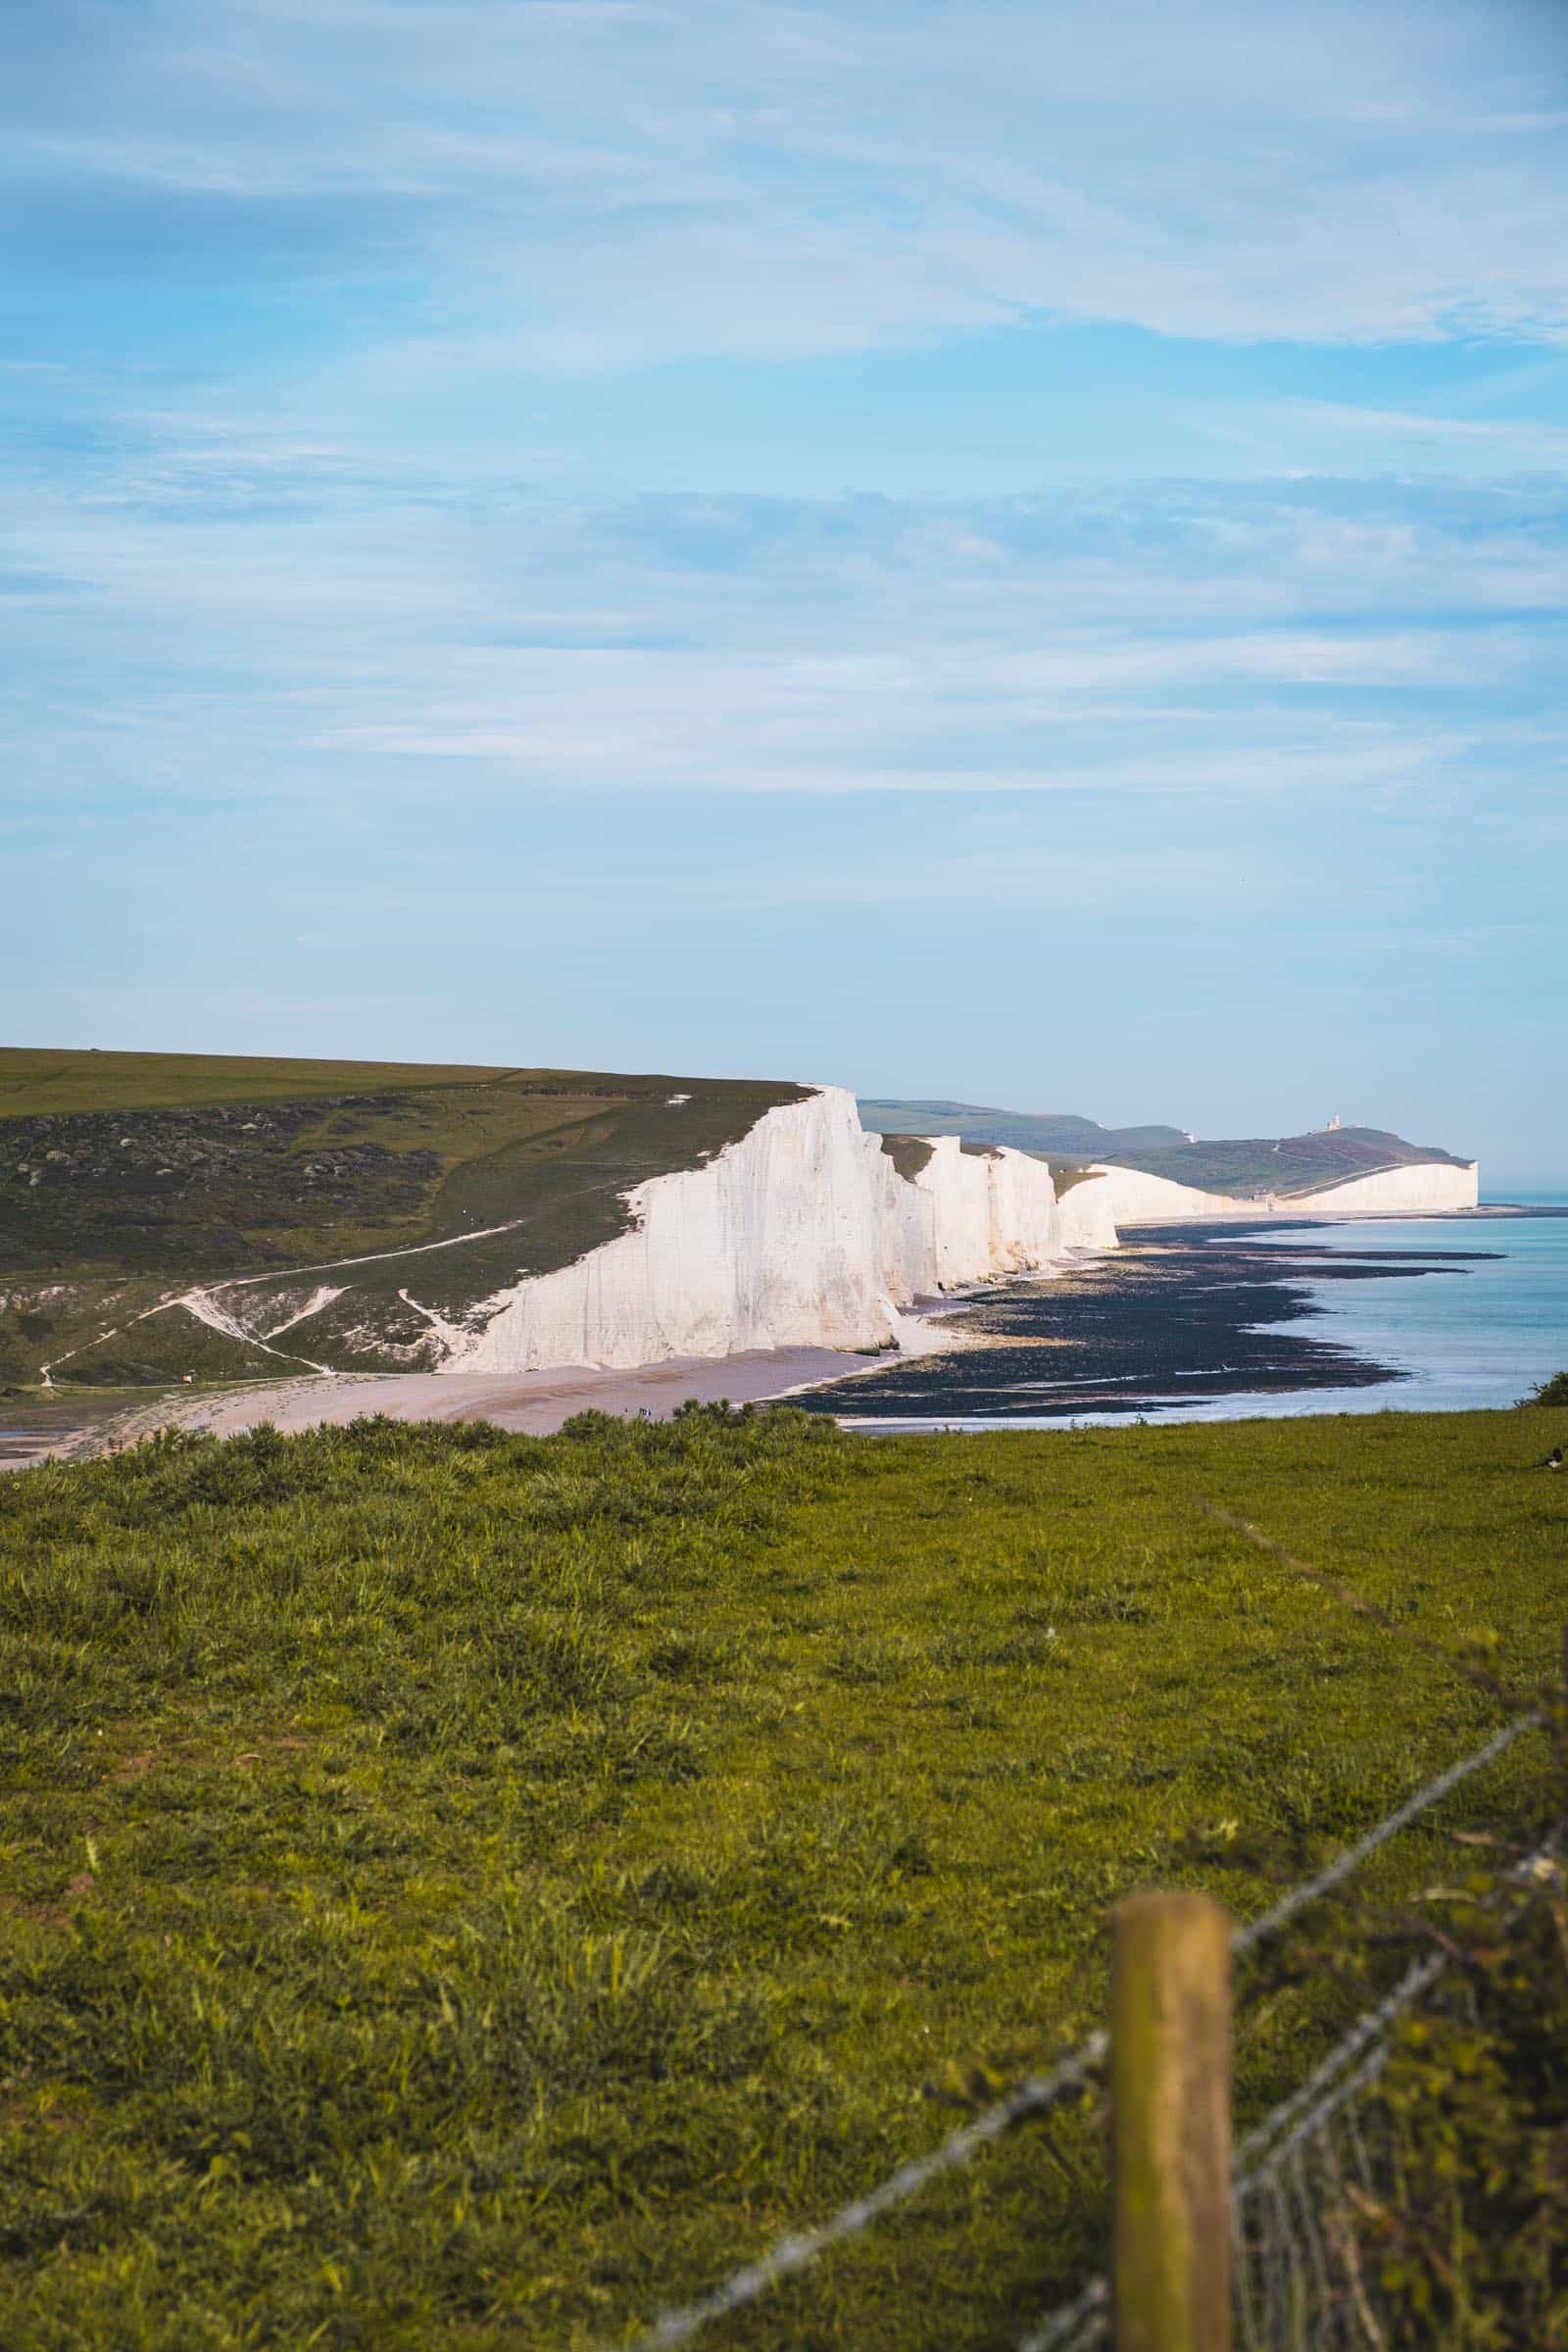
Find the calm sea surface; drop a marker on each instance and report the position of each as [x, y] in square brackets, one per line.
[1472, 1311]
[1478, 1334]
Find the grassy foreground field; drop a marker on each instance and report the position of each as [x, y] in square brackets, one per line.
[467, 1890]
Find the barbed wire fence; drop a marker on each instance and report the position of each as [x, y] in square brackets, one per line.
[1301, 2176]
[799, 2250]
[1295, 2178]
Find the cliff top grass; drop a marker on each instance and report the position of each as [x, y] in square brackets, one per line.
[910, 1153]
[123, 1177]
[465, 1891]
[39, 1080]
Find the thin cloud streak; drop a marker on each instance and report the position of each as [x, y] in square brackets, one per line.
[618, 189]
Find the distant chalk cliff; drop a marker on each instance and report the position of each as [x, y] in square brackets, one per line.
[1424, 1188]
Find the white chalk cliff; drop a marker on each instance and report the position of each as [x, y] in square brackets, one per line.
[1425, 1188]
[803, 1233]
[807, 1232]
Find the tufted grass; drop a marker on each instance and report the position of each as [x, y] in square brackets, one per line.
[465, 1891]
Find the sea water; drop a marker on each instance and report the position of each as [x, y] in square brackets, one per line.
[1478, 1332]
[1481, 1333]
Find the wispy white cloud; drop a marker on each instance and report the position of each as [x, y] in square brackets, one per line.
[355, 334]
[596, 187]
[271, 625]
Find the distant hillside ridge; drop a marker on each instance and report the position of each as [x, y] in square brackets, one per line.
[1240, 1168]
[1048, 1132]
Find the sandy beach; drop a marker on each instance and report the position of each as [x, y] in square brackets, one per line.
[1188, 1316]
[536, 1402]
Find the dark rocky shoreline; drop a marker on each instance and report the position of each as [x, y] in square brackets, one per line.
[1183, 1314]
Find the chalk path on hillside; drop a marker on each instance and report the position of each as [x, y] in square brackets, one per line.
[201, 1302]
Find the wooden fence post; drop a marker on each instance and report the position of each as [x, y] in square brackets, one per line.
[1170, 2086]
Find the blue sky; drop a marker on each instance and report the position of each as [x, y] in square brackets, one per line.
[1017, 553]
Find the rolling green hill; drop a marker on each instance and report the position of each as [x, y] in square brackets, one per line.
[1290, 1163]
[126, 1177]
[1043, 1131]
[1236, 1165]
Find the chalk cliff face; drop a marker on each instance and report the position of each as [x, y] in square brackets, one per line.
[1428, 1188]
[961, 1216]
[807, 1231]
[1086, 1216]
[772, 1244]
[803, 1233]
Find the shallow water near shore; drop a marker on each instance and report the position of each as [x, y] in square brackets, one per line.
[1419, 1315]
[34, 1425]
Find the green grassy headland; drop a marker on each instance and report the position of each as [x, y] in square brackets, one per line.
[38, 1079]
[465, 1891]
[910, 1153]
[126, 1177]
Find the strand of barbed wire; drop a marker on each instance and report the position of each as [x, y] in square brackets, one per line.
[1274, 2163]
[1288, 2127]
[1299, 1897]
[1082, 2322]
[798, 2249]
[1300, 2119]
[794, 2252]
[1298, 2198]
[1371, 2022]
[1301, 2131]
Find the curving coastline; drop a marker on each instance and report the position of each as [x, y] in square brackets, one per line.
[790, 1258]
